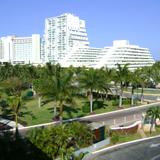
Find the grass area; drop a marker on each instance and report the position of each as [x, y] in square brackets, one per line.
[122, 138]
[35, 115]
[130, 137]
[157, 132]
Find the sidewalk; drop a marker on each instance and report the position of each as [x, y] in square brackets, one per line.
[10, 123]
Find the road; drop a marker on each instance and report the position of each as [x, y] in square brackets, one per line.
[150, 97]
[147, 96]
[120, 116]
[110, 118]
[144, 150]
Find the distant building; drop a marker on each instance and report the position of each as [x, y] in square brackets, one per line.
[120, 53]
[124, 53]
[88, 57]
[20, 50]
[63, 35]
[65, 41]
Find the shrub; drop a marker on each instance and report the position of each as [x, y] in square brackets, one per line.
[97, 104]
[62, 140]
[114, 137]
[28, 94]
[86, 107]
[126, 101]
[115, 103]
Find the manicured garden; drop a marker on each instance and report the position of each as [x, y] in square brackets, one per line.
[63, 93]
[32, 95]
[45, 113]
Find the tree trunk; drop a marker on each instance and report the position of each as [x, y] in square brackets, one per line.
[120, 98]
[101, 95]
[39, 101]
[91, 101]
[106, 96]
[61, 112]
[132, 97]
[152, 123]
[16, 121]
[55, 111]
[142, 96]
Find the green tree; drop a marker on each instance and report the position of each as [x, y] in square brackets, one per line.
[60, 141]
[133, 79]
[153, 113]
[13, 87]
[122, 79]
[89, 80]
[15, 104]
[156, 72]
[105, 77]
[143, 79]
[39, 84]
[60, 84]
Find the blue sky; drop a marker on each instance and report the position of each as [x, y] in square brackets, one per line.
[106, 20]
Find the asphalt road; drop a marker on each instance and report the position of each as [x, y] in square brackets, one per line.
[111, 118]
[150, 97]
[146, 150]
[130, 114]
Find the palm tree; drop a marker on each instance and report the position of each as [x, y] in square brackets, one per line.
[13, 87]
[133, 79]
[7, 70]
[103, 83]
[156, 72]
[15, 104]
[88, 80]
[37, 87]
[122, 78]
[143, 78]
[60, 84]
[153, 113]
[39, 84]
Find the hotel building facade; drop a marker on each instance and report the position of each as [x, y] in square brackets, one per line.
[20, 50]
[64, 34]
[65, 41]
[122, 52]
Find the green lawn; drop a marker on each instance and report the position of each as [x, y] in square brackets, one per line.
[122, 138]
[130, 137]
[35, 115]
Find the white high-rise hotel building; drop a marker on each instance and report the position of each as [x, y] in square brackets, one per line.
[20, 50]
[63, 35]
[66, 42]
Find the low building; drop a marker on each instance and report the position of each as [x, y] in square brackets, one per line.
[122, 52]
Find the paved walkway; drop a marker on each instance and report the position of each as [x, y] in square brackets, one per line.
[10, 123]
